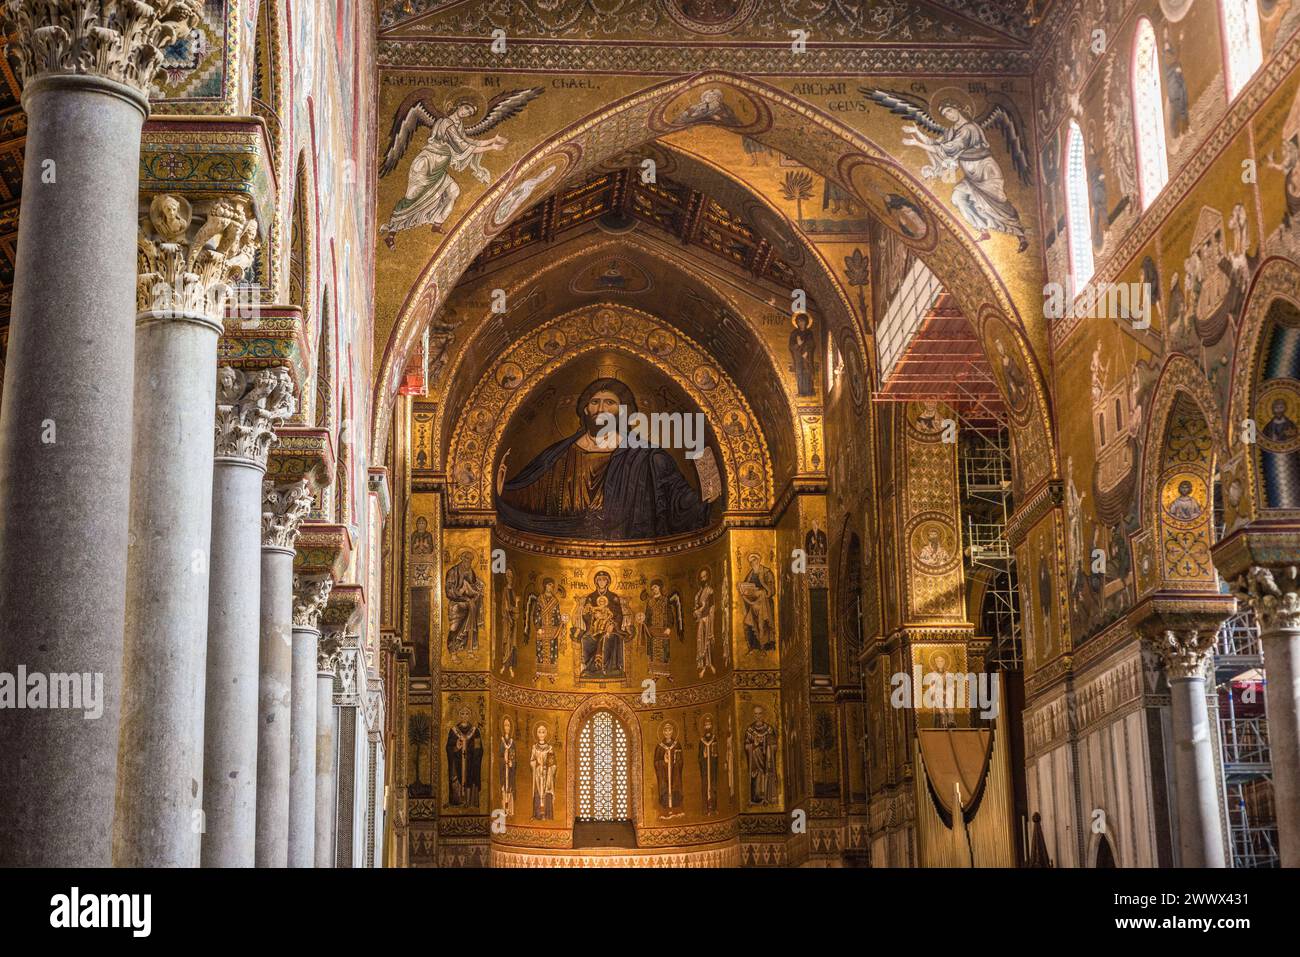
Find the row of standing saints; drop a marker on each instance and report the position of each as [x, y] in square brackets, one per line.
[713, 764]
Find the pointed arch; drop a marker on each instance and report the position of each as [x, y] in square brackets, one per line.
[621, 712]
[1182, 449]
[807, 134]
[267, 99]
[1262, 479]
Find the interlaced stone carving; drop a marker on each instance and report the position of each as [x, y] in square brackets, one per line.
[283, 509]
[1274, 595]
[248, 407]
[310, 596]
[187, 263]
[1186, 652]
[121, 40]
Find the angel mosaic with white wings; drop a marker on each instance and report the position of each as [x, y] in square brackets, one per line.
[957, 141]
[431, 189]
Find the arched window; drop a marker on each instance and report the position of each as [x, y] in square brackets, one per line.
[1241, 44]
[1149, 114]
[602, 769]
[1078, 214]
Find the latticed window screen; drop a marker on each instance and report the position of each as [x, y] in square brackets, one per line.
[1149, 114]
[1241, 39]
[602, 769]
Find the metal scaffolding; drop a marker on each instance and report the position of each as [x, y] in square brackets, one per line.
[986, 504]
[1243, 743]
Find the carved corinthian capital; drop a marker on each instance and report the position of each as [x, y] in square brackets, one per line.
[1186, 652]
[283, 509]
[1274, 595]
[248, 407]
[120, 40]
[327, 654]
[188, 263]
[310, 595]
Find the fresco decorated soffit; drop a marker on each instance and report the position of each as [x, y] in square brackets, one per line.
[735, 21]
[322, 549]
[261, 336]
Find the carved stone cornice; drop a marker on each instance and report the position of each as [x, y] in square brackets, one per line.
[1182, 629]
[310, 596]
[118, 40]
[283, 509]
[249, 406]
[188, 261]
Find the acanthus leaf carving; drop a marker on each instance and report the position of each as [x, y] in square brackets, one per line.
[328, 654]
[1186, 652]
[283, 509]
[310, 596]
[119, 40]
[188, 263]
[249, 405]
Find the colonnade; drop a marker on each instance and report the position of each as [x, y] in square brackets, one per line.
[152, 498]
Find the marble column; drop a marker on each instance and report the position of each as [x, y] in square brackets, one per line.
[283, 509]
[86, 68]
[310, 596]
[1274, 595]
[248, 407]
[1188, 655]
[182, 287]
[326, 750]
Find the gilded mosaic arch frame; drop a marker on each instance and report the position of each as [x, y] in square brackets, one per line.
[962, 265]
[1181, 381]
[1276, 279]
[443, 436]
[621, 329]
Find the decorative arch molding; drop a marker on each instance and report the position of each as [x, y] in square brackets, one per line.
[963, 267]
[459, 366]
[301, 279]
[746, 463]
[267, 97]
[627, 717]
[1276, 281]
[1177, 499]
